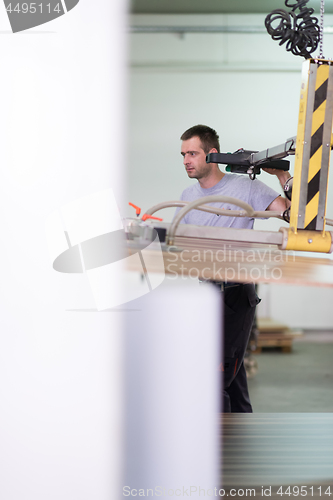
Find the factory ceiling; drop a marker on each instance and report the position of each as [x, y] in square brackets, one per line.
[217, 6]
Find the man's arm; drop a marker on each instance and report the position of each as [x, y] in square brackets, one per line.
[280, 203]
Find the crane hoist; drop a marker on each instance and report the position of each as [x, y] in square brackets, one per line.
[302, 33]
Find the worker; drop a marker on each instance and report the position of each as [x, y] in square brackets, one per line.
[239, 299]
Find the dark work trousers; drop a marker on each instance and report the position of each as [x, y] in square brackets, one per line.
[239, 307]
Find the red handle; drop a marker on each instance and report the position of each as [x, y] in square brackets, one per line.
[137, 209]
[146, 216]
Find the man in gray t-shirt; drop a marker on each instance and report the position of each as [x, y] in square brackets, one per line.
[239, 299]
[255, 193]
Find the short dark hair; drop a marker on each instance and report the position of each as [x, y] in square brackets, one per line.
[208, 137]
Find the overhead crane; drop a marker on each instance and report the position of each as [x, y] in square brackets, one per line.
[161, 246]
[308, 189]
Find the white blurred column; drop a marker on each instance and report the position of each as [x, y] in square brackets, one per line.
[173, 350]
[62, 95]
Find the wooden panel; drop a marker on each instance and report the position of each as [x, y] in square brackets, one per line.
[240, 262]
[270, 449]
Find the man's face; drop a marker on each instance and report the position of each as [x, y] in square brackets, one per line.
[195, 159]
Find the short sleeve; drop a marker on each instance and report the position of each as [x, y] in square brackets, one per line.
[261, 195]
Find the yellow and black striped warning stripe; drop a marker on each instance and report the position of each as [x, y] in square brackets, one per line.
[316, 147]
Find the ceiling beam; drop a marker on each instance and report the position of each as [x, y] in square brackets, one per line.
[217, 6]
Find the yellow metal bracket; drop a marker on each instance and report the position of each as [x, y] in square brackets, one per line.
[312, 158]
[306, 241]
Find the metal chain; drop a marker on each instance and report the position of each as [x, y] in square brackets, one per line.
[321, 29]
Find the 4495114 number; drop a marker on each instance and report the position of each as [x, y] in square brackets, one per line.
[33, 8]
[304, 491]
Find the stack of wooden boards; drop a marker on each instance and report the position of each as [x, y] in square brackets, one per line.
[274, 334]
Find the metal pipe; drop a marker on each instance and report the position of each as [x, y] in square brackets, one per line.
[206, 199]
[197, 29]
[205, 29]
[214, 210]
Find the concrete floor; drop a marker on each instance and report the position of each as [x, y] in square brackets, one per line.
[301, 381]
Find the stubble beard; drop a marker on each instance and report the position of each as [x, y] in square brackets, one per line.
[205, 172]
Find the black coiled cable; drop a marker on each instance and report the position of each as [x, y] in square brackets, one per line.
[300, 32]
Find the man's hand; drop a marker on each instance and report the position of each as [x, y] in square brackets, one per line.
[282, 175]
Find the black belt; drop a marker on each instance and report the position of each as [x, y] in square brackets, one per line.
[222, 284]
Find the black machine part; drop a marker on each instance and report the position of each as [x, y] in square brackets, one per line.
[250, 162]
[297, 28]
[242, 162]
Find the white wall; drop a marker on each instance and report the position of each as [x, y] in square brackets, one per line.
[243, 85]
[62, 99]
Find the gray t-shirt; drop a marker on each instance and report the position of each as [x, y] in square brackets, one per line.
[255, 193]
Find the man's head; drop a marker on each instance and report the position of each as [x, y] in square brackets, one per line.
[208, 137]
[198, 141]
